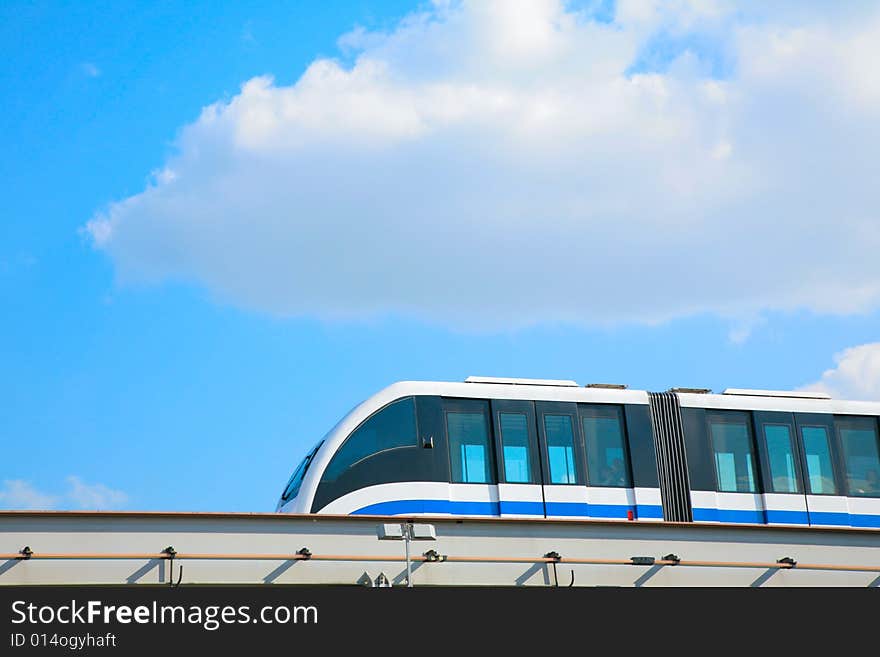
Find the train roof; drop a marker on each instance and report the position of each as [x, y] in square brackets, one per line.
[570, 391]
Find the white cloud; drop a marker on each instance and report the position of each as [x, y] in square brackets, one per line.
[498, 164]
[743, 328]
[90, 70]
[856, 375]
[18, 494]
[94, 496]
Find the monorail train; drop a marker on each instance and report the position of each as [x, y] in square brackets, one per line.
[530, 448]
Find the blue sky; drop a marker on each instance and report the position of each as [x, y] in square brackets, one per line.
[159, 358]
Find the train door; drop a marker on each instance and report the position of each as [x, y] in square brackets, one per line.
[738, 495]
[610, 493]
[562, 460]
[826, 499]
[785, 499]
[520, 479]
[860, 452]
[473, 488]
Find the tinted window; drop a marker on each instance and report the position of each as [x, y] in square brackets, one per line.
[780, 452]
[470, 454]
[606, 451]
[292, 488]
[516, 448]
[732, 447]
[393, 426]
[858, 436]
[817, 455]
[560, 449]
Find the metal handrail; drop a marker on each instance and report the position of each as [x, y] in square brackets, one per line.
[304, 555]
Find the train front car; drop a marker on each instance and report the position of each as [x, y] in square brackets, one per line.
[521, 448]
[321, 468]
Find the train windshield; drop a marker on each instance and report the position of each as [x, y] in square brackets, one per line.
[296, 478]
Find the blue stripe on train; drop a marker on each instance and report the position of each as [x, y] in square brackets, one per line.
[398, 507]
[728, 515]
[571, 509]
[814, 519]
[864, 520]
[522, 508]
[753, 516]
[830, 518]
[846, 519]
[787, 517]
[584, 510]
[649, 511]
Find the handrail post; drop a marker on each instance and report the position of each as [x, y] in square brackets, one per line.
[407, 535]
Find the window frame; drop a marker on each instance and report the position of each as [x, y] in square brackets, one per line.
[305, 464]
[353, 433]
[456, 405]
[517, 407]
[584, 413]
[419, 463]
[839, 423]
[825, 422]
[727, 417]
[544, 408]
[777, 418]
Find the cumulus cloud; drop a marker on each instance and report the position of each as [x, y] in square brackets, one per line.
[19, 494]
[856, 375]
[502, 163]
[94, 496]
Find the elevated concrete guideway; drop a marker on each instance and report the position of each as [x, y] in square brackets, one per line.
[267, 548]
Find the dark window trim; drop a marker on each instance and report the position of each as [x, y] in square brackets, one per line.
[698, 450]
[756, 472]
[792, 443]
[845, 473]
[543, 408]
[526, 408]
[839, 477]
[410, 463]
[288, 494]
[363, 422]
[624, 434]
[469, 405]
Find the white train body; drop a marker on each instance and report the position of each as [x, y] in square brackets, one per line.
[521, 448]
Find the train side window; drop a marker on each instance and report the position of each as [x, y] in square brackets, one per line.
[393, 426]
[560, 448]
[783, 476]
[858, 436]
[470, 451]
[817, 455]
[606, 449]
[732, 447]
[296, 479]
[516, 448]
